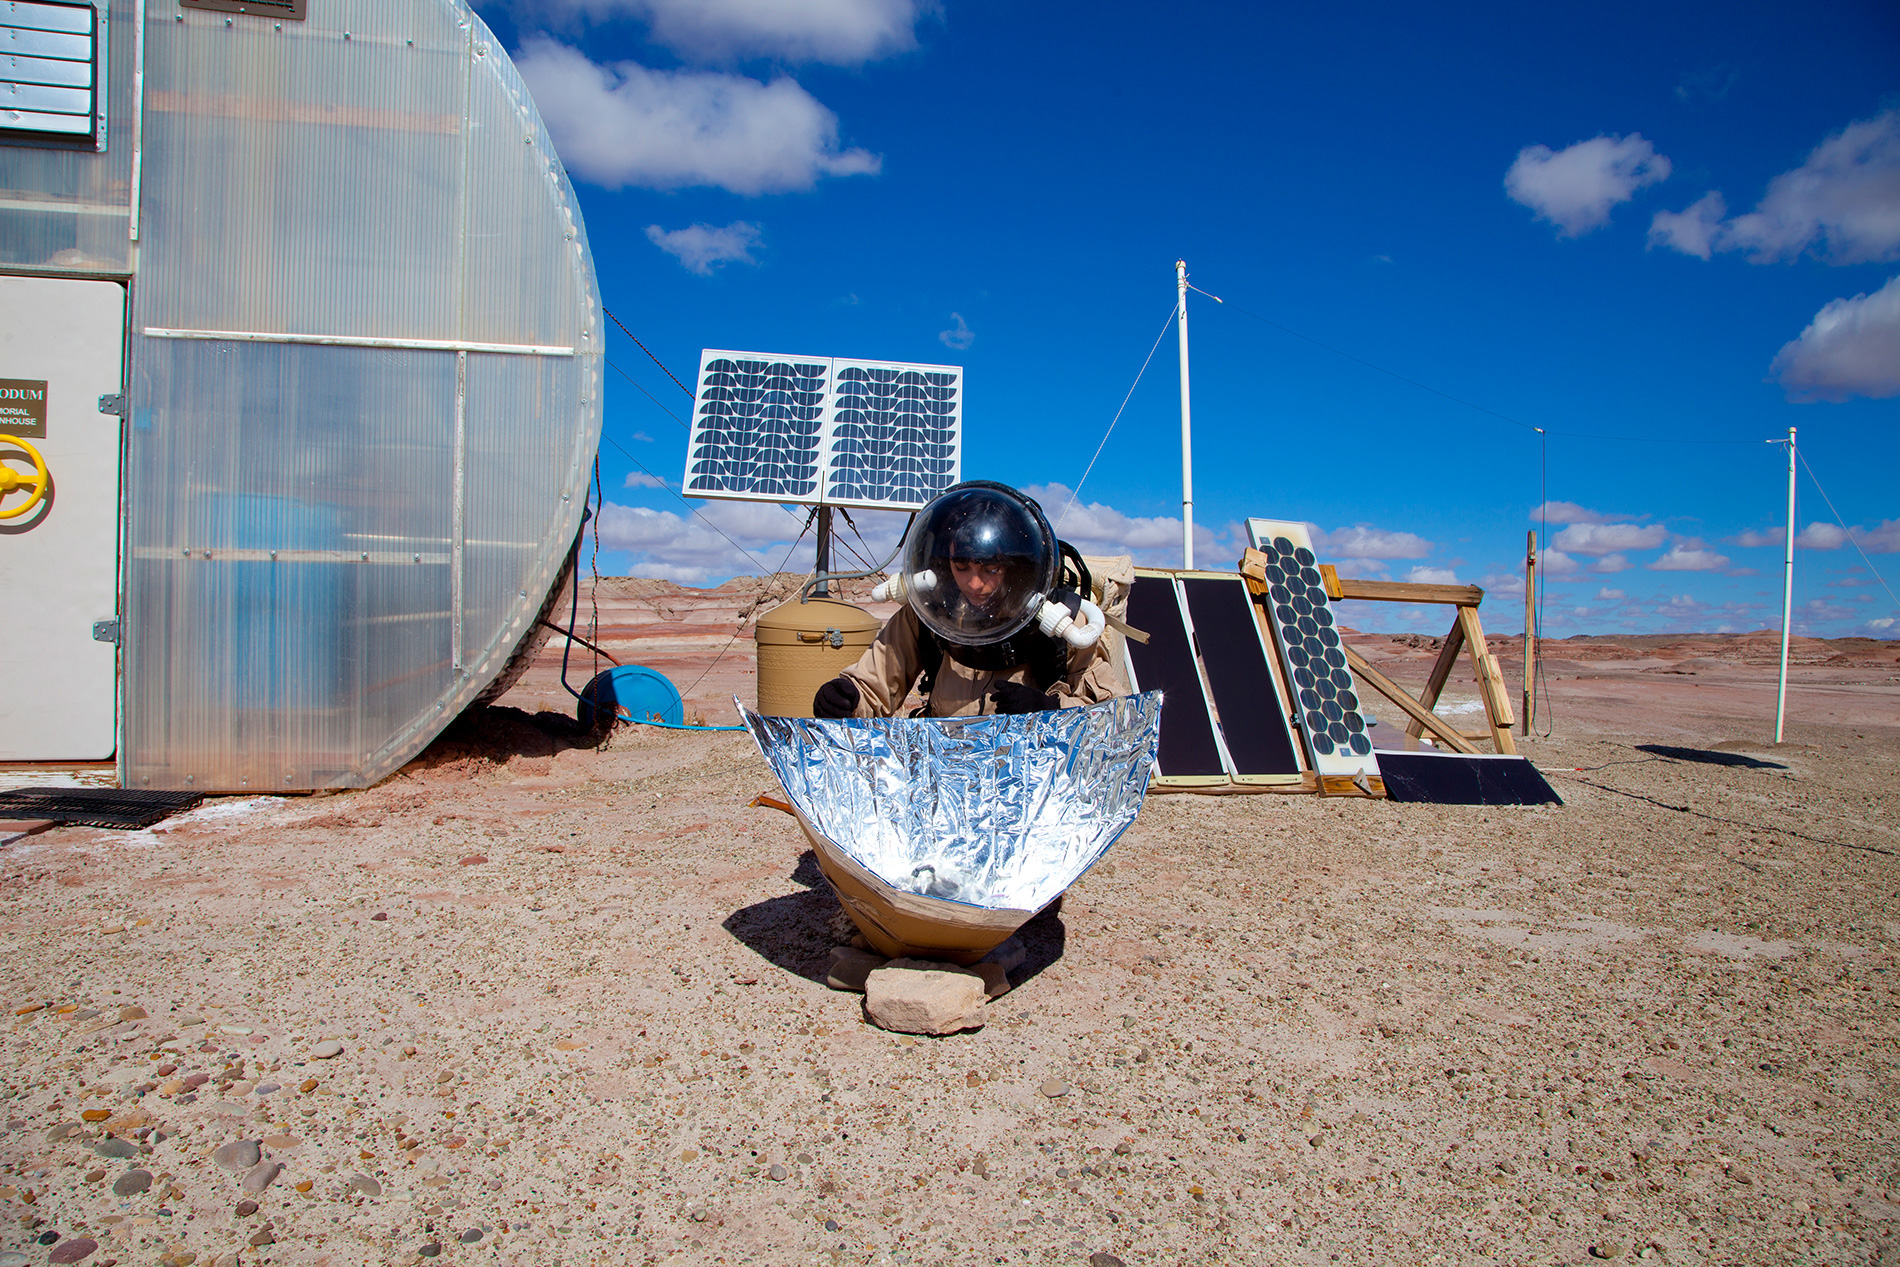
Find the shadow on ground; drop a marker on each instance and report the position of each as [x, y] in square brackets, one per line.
[1706, 756]
[797, 931]
[491, 733]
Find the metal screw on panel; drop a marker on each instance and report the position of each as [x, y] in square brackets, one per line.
[207, 554]
[366, 556]
[187, 552]
[418, 558]
[273, 556]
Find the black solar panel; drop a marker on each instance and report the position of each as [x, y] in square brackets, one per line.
[1252, 721]
[1166, 663]
[95, 806]
[1453, 778]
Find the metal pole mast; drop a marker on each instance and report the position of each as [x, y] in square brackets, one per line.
[1530, 631]
[1187, 427]
[1787, 598]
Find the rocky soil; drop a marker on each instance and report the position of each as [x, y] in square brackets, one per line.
[541, 1000]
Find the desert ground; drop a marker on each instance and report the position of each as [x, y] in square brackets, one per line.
[546, 999]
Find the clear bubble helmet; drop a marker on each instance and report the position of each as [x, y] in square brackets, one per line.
[979, 563]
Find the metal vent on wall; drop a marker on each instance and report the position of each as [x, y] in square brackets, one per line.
[291, 9]
[52, 56]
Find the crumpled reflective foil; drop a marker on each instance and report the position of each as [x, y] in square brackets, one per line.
[999, 812]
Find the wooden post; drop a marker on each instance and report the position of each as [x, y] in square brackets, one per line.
[1491, 688]
[1441, 673]
[1530, 631]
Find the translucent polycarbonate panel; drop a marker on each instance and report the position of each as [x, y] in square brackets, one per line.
[302, 182]
[264, 649]
[519, 492]
[376, 173]
[519, 193]
[66, 207]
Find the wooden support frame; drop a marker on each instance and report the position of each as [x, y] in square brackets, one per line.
[1466, 634]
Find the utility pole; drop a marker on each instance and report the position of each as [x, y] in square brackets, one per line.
[1187, 428]
[1787, 595]
[1529, 711]
[823, 563]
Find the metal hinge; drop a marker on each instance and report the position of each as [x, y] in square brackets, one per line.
[113, 404]
[105, 631]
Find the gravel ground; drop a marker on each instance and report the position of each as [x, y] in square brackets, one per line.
[578, 996]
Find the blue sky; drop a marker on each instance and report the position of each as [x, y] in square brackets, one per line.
[1664, 235]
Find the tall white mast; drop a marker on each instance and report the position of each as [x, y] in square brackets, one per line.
[1787, 597]
[1187, 427]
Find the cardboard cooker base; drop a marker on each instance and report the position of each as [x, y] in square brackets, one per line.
[908, 925]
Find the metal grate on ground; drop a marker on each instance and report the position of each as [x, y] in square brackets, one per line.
[95, 807]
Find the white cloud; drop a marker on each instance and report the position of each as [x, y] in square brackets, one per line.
[1610, 565]
[959, 336]
[640, 479]
[1557, 566]
[1575, 188]
[1602, 538]
[1363, 541]
[1432, 576]
[1753, 540]
[1504, 584]
[732, 538]
[1884, 539]
[629, 125]
[1571, 513]
[1842, 204]
[1851, 348]
[1692, 230]
[1095, 528]
[840, 32]
[1820, 536]
[1609, 595]
[1683, 557]
[702, 248]
[643, 437]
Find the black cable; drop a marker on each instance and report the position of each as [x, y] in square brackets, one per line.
[1732, 822]
[601, 651]
[649, 351]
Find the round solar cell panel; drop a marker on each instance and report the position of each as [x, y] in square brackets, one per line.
[1302, 677]
[1297, 657]
[1324, 688]
[1286, 614]
[1342, 679]
[1334, 713]
[1308, 626]
[1332, 656]
[1315, 647]
[1312, 578]
[1302, 604]
[1361, 745]
[1330, 638]
[1304, 556]
[1315, 720]
[1323, 615]
[1349, 702]
[1309, 698]
[1322, 743]
[1280, 594]
[1355, 723]
[1338, 733]
[1276, 575]
[1283, 545]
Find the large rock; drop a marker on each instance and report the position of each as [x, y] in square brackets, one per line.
[917, 996]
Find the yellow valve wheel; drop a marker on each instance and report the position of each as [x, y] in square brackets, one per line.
[12, 481]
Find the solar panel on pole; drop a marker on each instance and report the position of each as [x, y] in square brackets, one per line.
[824, 431]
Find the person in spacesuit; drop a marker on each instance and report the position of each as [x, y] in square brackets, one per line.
[996, 618]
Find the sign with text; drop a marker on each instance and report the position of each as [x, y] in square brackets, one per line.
[23, 407]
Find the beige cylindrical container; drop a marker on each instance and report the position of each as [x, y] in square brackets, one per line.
[804, 645]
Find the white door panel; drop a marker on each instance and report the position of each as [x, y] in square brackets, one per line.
[58, 562]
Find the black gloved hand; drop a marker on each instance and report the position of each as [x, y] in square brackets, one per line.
[836, 698]
[1021, 697]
